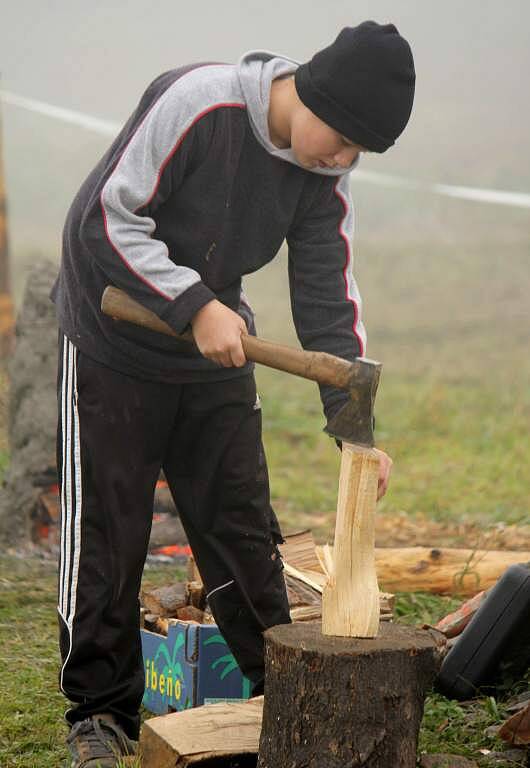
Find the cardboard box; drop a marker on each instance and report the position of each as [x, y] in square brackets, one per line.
[192, 665]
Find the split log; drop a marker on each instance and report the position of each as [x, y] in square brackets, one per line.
[165, 601]
[299, 593]
[336, 701]
[299, 549]
[350, 600]
[317, 581]
[210, 735]
[454, 623]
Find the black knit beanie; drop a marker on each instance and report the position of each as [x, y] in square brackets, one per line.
[362, 85]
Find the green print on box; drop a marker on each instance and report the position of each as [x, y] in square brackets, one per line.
[191, 666]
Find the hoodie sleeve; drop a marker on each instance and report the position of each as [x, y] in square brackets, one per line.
[325, 300]
[118, 227]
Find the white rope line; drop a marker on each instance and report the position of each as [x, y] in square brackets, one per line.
[105, 127]
[496, 196]
[110, 128]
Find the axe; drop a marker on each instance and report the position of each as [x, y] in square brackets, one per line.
[350, 601]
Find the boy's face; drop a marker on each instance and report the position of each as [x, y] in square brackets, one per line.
[316, 145]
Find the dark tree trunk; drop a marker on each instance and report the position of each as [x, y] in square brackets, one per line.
[345, 702]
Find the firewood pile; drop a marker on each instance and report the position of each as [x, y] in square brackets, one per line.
[304, 578]
[181, 601]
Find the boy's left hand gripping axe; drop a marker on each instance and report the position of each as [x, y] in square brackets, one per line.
[353, 423]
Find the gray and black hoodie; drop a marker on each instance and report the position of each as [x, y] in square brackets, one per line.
[191, 196]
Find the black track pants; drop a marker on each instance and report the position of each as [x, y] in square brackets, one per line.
[115, 433]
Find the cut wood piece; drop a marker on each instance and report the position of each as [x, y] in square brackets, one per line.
[193, 571]
[317, 582]
[161, 626]
[303, 560]
[350, 600]
[298, 593]
[306, 612]
[313, 579]
[164, 601]
[443, 571]
[190, 613]
[454, 623]
[299, 549]
[335, 701]
[150, 621]
[196, 594]
[203, 733]
[314, 612]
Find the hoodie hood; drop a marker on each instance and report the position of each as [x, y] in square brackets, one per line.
[256, 71]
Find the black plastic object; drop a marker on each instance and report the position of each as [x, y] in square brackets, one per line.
[496, 637]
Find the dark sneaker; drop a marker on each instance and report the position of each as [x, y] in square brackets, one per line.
[98, 742]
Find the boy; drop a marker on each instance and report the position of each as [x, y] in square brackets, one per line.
[215, 168]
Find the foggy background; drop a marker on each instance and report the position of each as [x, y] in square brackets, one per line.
[445, 282]
[470, 124]
[432, 270]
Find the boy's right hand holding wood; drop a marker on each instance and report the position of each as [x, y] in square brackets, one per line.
[217, 331]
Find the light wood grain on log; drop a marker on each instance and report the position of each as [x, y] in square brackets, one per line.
[350, 600]
[189, 737]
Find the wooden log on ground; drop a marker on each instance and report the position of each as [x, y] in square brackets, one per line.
[336, 701]
[211, 734]
[439, 570]
[443, 571]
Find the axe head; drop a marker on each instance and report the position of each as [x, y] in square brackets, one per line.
[354, 422]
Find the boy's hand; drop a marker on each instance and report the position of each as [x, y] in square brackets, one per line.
[385, 468]
[217, 331]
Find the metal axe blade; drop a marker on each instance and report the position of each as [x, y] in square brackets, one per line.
[353, 423]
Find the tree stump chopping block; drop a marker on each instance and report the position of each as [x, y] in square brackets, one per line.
[343, 702]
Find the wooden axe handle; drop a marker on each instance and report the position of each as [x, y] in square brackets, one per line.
[317, 366]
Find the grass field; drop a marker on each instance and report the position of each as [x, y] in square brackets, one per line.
[32, 730]
[451, 325]
[452, 329]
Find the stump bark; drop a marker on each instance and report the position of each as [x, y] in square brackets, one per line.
[345, 702]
